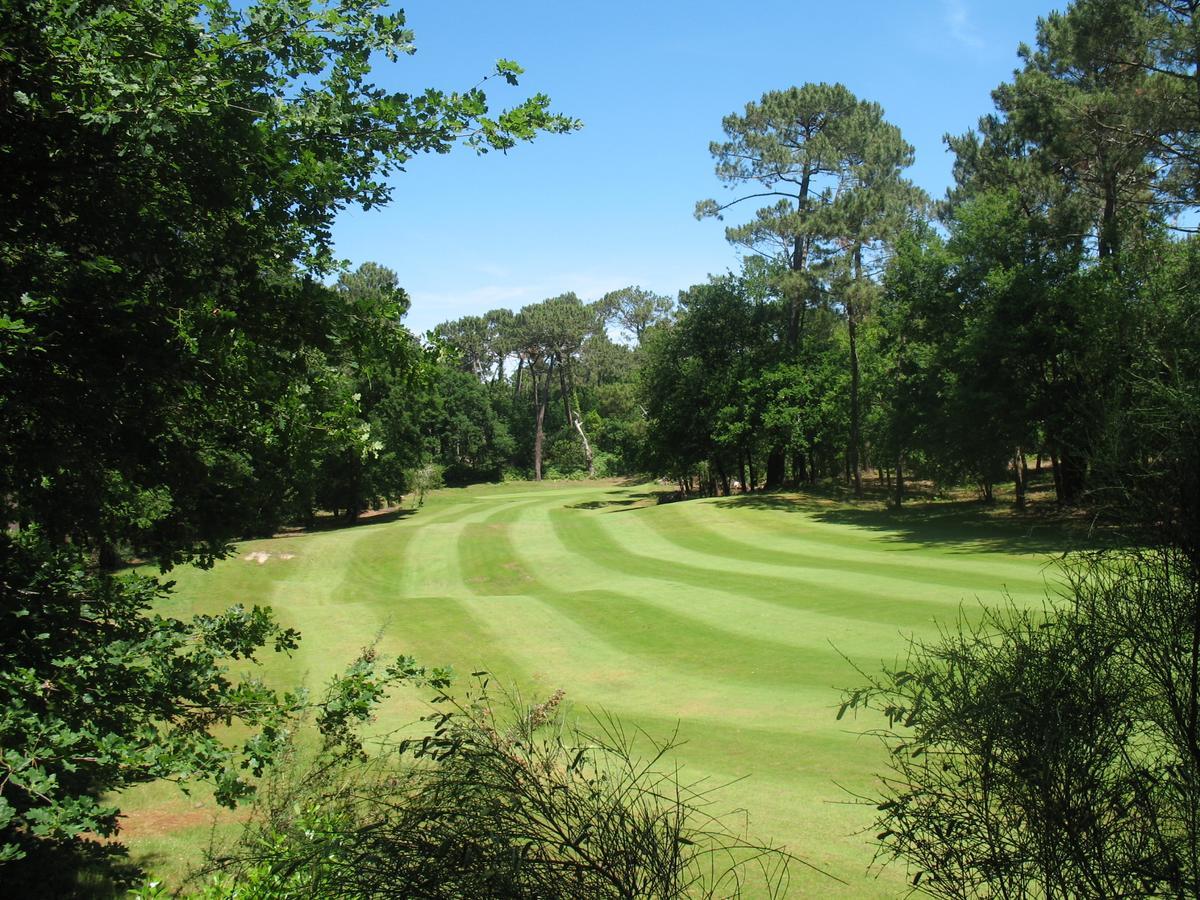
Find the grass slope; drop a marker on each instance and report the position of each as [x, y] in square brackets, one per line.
[728, 618]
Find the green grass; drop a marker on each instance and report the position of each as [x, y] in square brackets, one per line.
[731, 619]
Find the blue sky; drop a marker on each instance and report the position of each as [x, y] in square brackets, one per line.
[612, 204]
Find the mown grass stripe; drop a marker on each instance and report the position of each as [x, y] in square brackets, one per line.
[698, 536]
[582, 534]
[796, 627]
[963, 536]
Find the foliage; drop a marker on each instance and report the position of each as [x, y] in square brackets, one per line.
[425, 479]
[835, 163]
[636, 309]
[173, 374]
[221, 141]
[381, 376]
[499, 799]
[1050, 755]
[101, 693]
[578, 384]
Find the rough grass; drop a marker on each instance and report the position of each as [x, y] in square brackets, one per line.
[731, 619]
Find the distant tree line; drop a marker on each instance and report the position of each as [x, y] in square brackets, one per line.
[552, 394]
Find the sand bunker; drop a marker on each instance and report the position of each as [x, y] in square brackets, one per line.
[261, 556]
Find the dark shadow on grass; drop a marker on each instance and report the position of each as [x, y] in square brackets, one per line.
[599, 504]
[966, 526]
[628, 481]
[338, 523]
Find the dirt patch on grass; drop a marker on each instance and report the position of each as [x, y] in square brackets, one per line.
[261, 556]
[168, 818]
[157, 822]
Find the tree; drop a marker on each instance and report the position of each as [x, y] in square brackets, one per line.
[469, 336]
[550, 337]
[793, 144]
[468, 428]
[567, 323]
[174, 171]
[908, 380]
[835, 162]
[1088, 117]
[871, 206]
[696, 381]
[377, 373]
[635, 309]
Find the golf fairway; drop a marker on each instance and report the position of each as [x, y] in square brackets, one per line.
[734, 620]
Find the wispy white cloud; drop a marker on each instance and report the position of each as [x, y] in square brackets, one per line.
[958, 23]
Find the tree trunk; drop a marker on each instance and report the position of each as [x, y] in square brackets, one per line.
[724, 475]
[1073, 476]
[1019, 478]
[539, 436]
[742, 472]
[855, 423]
[776, 461]
[107, 557]
[1108, 238]
[576, 419]
[899, 479]
[799, 475]
[568, 395]
[799, 262]
[587, 447]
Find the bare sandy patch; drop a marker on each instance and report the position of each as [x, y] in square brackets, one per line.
[261, 556]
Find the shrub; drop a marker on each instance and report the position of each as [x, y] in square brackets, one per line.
[500, 799]
[1053, 754]
[424, 479]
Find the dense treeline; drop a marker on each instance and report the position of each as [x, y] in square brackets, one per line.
[1025, 316]
[553, 394]
[1055, 309]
